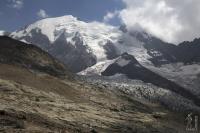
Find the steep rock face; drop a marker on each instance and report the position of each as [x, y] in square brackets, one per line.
[111, 50]
[166, 53]
[189, 51]
[184, 68]
[126, 64]
[29, 56]
[77, 56]
[161, 52]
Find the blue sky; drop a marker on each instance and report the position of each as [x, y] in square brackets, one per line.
[18, 13]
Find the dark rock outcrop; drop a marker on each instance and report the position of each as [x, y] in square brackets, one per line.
[29, 56]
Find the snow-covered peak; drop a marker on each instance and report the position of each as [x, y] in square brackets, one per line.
[94, 34]
[96, 41]
[47, 26]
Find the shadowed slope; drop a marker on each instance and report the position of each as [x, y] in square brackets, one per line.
[29, 56]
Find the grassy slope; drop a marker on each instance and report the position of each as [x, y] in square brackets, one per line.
[35, 102]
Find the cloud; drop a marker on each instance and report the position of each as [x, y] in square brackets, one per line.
[42, 14]
[171, 20]
[17, 4]
[110, 15]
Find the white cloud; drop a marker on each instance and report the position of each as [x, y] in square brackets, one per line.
[171, 20]
[110, 15]
[42, 14]
[17, 4]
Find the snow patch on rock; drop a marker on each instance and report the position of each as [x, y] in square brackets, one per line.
[98, 68]
[123, 62]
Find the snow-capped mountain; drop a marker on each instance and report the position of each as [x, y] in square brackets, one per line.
[77, 43]
[98, 42]
[86, 44]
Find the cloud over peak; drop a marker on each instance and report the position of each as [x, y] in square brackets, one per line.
[171, 20]
[110, 15]
[42, 14]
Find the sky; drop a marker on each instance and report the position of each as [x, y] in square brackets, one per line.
[173, 21]
[18, 13]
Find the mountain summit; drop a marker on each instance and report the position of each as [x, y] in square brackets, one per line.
[70, 40]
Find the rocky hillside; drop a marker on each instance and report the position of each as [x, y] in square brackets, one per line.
[29, 56]
[190, 50]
